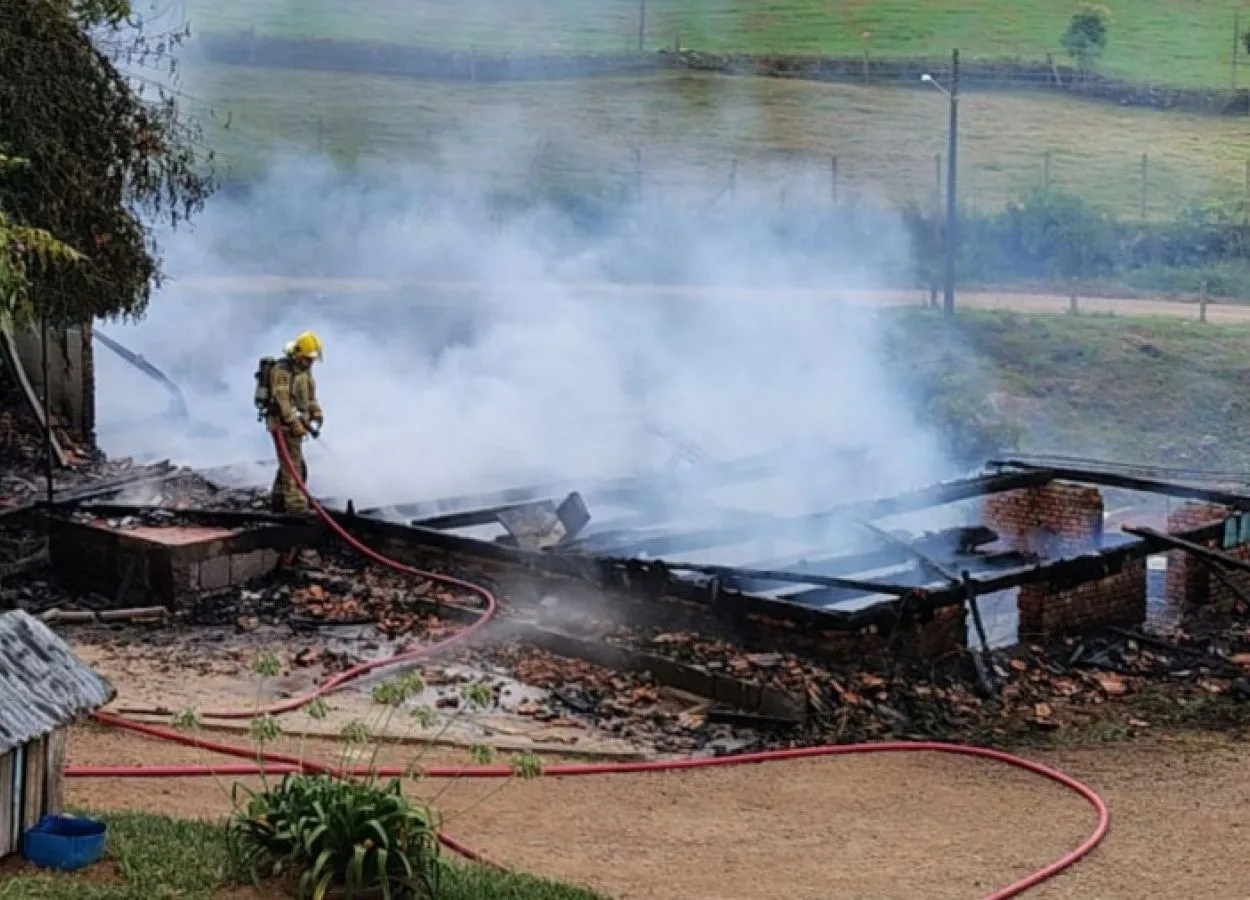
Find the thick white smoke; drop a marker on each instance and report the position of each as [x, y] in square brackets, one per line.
[508, 347]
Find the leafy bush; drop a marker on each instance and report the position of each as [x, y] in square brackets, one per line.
[331, 831]
[1086, 36]
[349, 831]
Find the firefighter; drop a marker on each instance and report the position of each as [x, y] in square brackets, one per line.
[293, 407]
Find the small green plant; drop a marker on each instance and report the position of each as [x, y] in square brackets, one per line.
[1086, 36]
[324, 832]
[350, 829]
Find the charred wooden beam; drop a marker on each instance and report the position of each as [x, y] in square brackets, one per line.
[1176, 543]
[631, 490]
[865, 585]
[1074, 570]
[811, 526]
[226, 518]
[926, 561]
[1134, 483]
[1214, 560]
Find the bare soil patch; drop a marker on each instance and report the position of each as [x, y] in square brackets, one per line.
[855, 827]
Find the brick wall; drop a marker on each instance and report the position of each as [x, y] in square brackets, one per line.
[1054, 519]
[1118, 599]
[944, 634]
[1062, 519]
[1190, 582]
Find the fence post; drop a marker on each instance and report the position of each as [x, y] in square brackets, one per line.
[1202, 302]
[642, 23]
[1073, 303]
[1236, 42]
[1046, 170]
[1145, 164]
[733, 180]
[320, 135]
[833, 179]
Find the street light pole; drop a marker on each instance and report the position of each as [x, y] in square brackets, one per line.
[948, 300]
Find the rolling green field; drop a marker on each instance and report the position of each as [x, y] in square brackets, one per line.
[1122, 388]
[689, 128]
[1178, 42]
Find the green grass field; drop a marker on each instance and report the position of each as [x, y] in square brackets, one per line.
[1112, 388]
[690, 128]
[155, 857]
[1170, 41]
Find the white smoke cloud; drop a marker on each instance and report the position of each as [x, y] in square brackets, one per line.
[560, 356]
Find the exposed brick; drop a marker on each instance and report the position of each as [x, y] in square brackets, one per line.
[1118, 599]
[1061, 519]
[1054, 519]
[1189, 582]
[945, 634]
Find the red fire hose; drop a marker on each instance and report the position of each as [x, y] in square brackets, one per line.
[277, 763]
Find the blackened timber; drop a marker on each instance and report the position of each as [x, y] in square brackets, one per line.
[225, 518]
[1074, 570]
[852, 584]
[957, 545]
[910, 548]
[1173, 542]
[627, 491]
[473, 517]
[1135, 483]
[644, 577]
[832, 566]
[810, 526]
[1009, 560]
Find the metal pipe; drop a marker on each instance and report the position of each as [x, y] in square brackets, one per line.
[948, 300]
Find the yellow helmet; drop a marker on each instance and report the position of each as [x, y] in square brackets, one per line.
[306, 346]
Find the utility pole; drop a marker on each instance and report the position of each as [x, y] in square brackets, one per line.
[642, 23]
[948, 299]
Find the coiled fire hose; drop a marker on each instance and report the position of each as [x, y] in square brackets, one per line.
[277, 763]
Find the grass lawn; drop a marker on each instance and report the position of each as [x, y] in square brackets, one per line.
[1172, 41]
[1113, 388]
[689, 128]
[152, 857]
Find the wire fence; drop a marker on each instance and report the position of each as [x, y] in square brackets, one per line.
[697, 138]
[1141, 187]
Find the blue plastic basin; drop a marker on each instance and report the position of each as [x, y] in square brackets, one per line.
[65, 843]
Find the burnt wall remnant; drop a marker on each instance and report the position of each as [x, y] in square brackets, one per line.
[1064, 519]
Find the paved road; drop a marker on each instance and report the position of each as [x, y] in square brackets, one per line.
[1020, 302]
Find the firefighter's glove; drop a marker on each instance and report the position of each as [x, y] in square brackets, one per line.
[298, 431]
[317, 416]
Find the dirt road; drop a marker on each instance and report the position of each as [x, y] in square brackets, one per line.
[1020, 302]
[875, 828]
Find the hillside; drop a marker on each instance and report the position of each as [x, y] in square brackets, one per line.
[1180, 43]
[1132, 389]
[581, 136]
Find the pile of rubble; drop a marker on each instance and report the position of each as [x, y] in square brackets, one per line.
[1137, 680]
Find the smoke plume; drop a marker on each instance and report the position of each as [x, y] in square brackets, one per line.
[472, 345]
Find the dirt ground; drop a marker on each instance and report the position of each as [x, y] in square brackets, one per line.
[880, 827]
[1014, 300]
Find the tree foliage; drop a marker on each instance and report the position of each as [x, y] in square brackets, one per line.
[1086, 36]
[105, 164]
